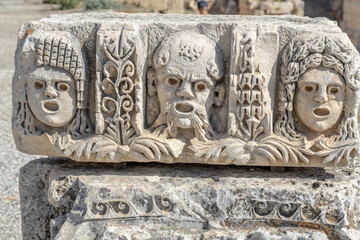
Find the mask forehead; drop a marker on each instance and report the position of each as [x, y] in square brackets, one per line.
[321, 76]
[42, 73]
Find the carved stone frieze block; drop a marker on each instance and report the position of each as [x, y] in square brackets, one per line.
[69, 200]
[269, 91]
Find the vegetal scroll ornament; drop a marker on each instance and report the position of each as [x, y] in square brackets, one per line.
[118, 87]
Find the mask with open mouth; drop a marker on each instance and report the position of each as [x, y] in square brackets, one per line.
[186, 115]
[52, 100]
[319, 98]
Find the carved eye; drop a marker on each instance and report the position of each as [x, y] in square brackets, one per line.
[200, 86]
[38, 85]
[62, 86]
[309, 88]
[333, 90]
[173, 82]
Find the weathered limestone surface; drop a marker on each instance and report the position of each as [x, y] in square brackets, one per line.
[62, 199]
[279, 91]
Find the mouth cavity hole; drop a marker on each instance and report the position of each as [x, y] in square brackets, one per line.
[185, 108]
[51, 106]
[321, 112]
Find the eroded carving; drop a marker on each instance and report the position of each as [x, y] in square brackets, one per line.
[319, 77]
[115, 99]
[190, 96]
[249, 116]
[186, 79]
[146, 207]
[117, 86]
[52, 85]
[296, 212]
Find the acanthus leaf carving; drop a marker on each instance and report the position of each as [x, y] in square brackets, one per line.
[174, 98]
[156, 148]
[229, 150]
[99, 147]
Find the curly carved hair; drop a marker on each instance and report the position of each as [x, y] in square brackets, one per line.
[305, 53]
[190, 52]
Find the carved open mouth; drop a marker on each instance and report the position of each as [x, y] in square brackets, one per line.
[321, 112]
[51, 106]
[184, 108]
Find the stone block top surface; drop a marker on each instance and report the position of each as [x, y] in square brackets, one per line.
[244, 90]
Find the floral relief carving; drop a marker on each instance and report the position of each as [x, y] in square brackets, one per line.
[152, 206]
[247, 98]
[117, 88]
[242, 209]
[295, 212]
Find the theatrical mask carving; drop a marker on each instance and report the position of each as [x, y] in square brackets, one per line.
[186, 79]
[54, 84]
[319, 98]
[187, 74]
[51, 100]
[240, 96]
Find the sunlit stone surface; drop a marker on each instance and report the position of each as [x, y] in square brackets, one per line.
[279, 91]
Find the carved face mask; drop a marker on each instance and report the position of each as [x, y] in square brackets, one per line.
[184, 91]
[51, 95]
[186, 71]
[319, 98]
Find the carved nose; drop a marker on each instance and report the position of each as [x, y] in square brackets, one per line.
[50, 92]
[185, 91]
[321, 98]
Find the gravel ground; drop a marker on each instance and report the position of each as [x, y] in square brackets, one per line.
[12, 15]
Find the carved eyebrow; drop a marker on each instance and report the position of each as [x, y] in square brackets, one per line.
[302, 83]
[307, 82]
[33, 77]
[174, 72]
[62, 79]
[196, 78]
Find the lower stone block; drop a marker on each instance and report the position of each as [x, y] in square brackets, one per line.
[62, 199]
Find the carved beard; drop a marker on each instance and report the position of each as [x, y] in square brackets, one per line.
[199, 122]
